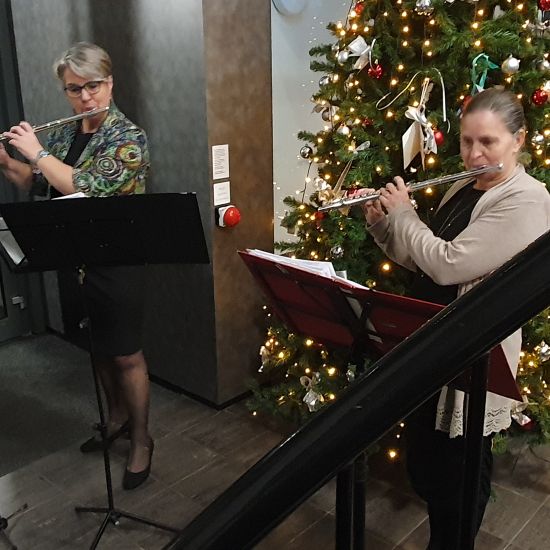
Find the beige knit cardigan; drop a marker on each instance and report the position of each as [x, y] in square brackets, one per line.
[506, 219]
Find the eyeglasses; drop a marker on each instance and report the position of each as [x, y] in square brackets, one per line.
[92, 87]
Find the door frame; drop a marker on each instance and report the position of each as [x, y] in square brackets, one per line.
[31, 318]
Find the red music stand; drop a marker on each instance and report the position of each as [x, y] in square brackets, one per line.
[340, 313]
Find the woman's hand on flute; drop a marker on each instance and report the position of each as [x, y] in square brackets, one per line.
[395, 194]
[372, 209]
[23, 138]
[4, 157]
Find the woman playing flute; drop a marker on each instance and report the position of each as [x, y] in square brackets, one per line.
[103, 155]
[479, 225]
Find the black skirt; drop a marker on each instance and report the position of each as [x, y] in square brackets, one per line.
[114, 299]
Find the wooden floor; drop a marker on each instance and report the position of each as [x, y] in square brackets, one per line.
[200, 451]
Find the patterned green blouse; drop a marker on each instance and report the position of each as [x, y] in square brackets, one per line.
[114, 162]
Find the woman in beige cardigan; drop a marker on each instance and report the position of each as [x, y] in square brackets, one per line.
[479, 225]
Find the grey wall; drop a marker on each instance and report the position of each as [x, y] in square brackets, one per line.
[190, 84]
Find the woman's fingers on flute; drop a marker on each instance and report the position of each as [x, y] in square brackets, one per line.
[362, 192]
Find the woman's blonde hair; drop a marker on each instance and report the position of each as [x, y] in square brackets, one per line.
[85, 60]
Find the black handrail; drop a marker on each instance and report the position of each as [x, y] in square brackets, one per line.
[397, 384]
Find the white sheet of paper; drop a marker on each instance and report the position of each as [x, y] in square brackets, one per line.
[412, 143]
[72, 196]
[220, 161]
[8, 242]
[222, 193]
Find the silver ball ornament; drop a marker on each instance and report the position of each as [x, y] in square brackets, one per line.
[337, 251]
[342, 56]
[344, 130]
[543, 65]
[510, 65]
[424, 7]
[324, 81]
[537, 139]
[306, 151]
[321, 185]
[544, 351]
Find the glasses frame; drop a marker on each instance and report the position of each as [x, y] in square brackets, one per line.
[84, 87]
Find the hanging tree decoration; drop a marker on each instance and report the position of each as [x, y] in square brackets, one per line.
[539, 97]
[510, 65]
[480, 67]
[517, 413]
[543, 349]
[306, 151]
[543, 66]
[324, 81]
[313, 398]
[424, 7]
[359, 7]
[329, 194]
[363, 51]
[376, 71]
[419, 138]
[541, 27]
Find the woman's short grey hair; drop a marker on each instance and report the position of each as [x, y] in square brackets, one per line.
[85, 60]
[501, 102]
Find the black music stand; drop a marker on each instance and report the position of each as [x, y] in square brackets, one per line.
[339, 314]
[78, 233]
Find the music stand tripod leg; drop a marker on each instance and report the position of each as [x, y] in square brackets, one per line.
[112, 514]
[4, 526]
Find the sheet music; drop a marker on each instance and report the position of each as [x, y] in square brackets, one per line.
[8, 242]
[78, 195]
[325, 269]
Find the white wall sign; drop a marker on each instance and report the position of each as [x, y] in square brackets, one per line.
[220, 161]
[290, 7]
[222, 193]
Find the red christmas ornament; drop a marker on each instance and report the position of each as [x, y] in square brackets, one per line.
[544, 5]
[367, 122]
[359, 7]
[539, 97]
[439, 137]
[319, 216]
[529, 426]
[376, 71]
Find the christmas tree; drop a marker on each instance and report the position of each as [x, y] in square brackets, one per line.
[390, 95]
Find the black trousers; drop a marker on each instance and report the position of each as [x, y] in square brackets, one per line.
[435, 467]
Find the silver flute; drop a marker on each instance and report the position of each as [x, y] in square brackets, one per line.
[62, 121]
[413, 186]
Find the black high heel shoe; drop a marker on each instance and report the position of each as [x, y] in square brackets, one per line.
[131, 480]
[93, 444]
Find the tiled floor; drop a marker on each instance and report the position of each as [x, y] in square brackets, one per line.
[200, 451]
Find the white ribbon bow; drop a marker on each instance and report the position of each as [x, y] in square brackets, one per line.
[417, 115]
[359, 47]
